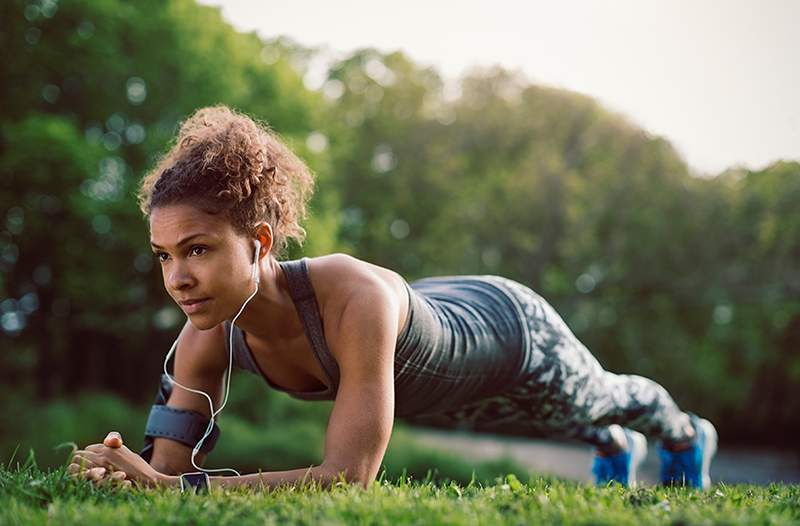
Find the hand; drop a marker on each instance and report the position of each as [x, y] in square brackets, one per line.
[100, 475]
[112, 462]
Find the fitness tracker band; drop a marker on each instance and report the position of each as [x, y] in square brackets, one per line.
[197, 481]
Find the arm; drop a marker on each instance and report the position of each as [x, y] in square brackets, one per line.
[360, 424]
[200, 363]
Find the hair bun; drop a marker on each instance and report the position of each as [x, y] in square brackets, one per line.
[231, 162]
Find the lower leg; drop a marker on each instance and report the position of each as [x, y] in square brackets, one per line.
[606, 440]
[569, 390]
[644, 405]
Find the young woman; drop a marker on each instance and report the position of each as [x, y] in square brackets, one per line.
[478, 349]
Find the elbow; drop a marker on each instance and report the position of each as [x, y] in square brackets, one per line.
[363, 480]
[350, 474]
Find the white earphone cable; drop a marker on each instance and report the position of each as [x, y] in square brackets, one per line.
[256, 278]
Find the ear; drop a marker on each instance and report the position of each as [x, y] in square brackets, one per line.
[264, 236]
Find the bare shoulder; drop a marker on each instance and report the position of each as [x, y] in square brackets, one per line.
[344, 274]
[340, 278]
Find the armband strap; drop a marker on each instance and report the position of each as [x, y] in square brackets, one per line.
[182, 425]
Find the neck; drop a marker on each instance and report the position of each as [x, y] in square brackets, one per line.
[270, 316]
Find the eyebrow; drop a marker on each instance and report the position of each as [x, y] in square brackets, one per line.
[182, 241]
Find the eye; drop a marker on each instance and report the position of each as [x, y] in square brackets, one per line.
[158, 256]
[201, 248]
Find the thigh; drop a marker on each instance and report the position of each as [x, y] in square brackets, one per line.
[563, 385]
[558, 363]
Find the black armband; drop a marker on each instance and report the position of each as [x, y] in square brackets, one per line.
[182, 425]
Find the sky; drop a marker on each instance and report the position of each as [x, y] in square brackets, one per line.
[719, 79]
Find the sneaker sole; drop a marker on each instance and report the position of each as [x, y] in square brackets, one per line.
[709, 450]
[638, 454]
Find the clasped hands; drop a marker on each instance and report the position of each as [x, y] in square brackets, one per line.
[112, 463]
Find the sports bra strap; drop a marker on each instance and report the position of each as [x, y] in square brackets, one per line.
[305, 300]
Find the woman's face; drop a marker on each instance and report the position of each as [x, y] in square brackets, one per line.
[202, 258]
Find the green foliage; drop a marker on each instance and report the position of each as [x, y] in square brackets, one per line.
[90, 106]
[688, 280]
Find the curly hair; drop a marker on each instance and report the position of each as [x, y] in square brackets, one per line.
[226, 162]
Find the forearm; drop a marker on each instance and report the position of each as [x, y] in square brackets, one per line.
[321, 474]
[173, 458]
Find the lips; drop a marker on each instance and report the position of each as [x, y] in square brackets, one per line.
[192, 301]
[194, 305]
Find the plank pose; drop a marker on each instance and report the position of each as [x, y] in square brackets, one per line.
[479, 349]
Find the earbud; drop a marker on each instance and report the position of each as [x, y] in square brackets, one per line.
[256, 273]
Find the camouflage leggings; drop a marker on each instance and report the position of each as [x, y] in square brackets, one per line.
[567, 393]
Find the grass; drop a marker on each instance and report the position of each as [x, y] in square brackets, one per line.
[29, 495]
[418, 485]
[260, 430]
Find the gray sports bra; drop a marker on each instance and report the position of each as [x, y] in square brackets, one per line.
[462, 340]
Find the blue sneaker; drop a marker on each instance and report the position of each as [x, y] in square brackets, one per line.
[690, 466]
[621, 467]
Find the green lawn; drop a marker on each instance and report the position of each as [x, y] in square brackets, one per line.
[29, 495]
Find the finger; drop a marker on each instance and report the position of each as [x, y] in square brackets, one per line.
[113, 479]
[127, 484]
[88, 459]
[80, 468]
[93, 460]
[113, 439]
[118, 479]
[95, 473]
[83, 462]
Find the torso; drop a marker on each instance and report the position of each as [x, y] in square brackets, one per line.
[291, 363]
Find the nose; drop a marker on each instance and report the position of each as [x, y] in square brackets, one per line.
[179, 277]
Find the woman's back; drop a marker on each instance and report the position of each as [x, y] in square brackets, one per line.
[462, 340]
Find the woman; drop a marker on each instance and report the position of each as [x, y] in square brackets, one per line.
[481, 350]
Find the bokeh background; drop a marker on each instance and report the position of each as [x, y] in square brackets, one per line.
[689, 278]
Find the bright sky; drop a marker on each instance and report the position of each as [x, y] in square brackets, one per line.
[719, 79]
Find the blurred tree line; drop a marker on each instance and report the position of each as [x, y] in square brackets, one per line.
[690, 280]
